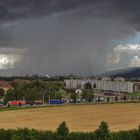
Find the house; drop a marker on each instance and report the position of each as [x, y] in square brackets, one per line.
[5, 86]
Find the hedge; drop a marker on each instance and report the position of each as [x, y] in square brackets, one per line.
[62, 133]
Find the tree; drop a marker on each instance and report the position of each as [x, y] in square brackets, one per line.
[1, 92]
[58, 95]
[63, 130]
[103, 132]
[35, 90]
[116, 98]
[84, 96]
[73, 96]
[108, 99]
[88, 95]
[124, 98]
[10, 95]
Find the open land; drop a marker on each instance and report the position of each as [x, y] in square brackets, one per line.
[121, 116]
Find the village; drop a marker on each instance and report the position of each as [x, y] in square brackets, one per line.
[95, 90]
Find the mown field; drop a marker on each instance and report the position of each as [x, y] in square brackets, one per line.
[79, 118]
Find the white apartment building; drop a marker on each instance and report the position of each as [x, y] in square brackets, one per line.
[105, 84]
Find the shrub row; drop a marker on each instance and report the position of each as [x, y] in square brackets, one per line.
[62, 133]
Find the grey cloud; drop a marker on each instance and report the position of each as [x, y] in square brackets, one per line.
[17, 9]
[126, 10]
[11, 50]
[71, 35]
[58, 45]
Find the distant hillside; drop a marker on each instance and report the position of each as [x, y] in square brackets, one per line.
[133, 72]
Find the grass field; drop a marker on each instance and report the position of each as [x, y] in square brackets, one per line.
[79, 118]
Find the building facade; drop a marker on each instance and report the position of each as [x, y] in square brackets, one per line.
[105, 84]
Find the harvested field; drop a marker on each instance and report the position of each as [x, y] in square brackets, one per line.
[79, 117]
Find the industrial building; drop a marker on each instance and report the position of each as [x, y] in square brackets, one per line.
[104, 84]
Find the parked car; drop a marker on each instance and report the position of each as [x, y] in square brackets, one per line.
[1, 105]
[99, 99]
[16, 103]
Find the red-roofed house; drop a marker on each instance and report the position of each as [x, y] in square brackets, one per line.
[5, 85]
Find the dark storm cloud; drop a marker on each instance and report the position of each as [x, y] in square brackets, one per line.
[11, 10]
[17, 9]
[64, 36]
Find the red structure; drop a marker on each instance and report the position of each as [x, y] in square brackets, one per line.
[17, 103]
[5, 85]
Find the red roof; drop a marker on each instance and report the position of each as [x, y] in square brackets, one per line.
[4, 84]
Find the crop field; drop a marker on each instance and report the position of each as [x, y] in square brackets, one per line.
[79, 118]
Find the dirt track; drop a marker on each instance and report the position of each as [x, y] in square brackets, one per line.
[78, 118]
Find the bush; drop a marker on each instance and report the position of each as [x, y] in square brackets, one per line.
[6, 134]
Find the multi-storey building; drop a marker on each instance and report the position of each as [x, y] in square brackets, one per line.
[105, 84]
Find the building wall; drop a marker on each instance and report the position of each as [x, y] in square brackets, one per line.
[104, 85]
[137, 87]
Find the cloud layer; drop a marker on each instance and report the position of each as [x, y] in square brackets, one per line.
[11, 57]
[69, 36]
[127, 55]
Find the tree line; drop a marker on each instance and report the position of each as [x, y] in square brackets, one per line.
[62, 133]
[34, 90]
[31, 90]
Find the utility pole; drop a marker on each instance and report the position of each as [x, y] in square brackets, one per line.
[43, 99]
[23, 100]
[49, 99]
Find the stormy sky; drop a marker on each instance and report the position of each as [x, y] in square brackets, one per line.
[60, 37]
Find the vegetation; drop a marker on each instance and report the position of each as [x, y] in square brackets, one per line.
[2, 92]
[88, 95]
[102, 133]
[62, 133]
[134, 94]
[63, 130]
[35, 90]
[74, 97]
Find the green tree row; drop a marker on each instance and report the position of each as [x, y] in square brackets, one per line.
[34, 90]
[62, 133]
